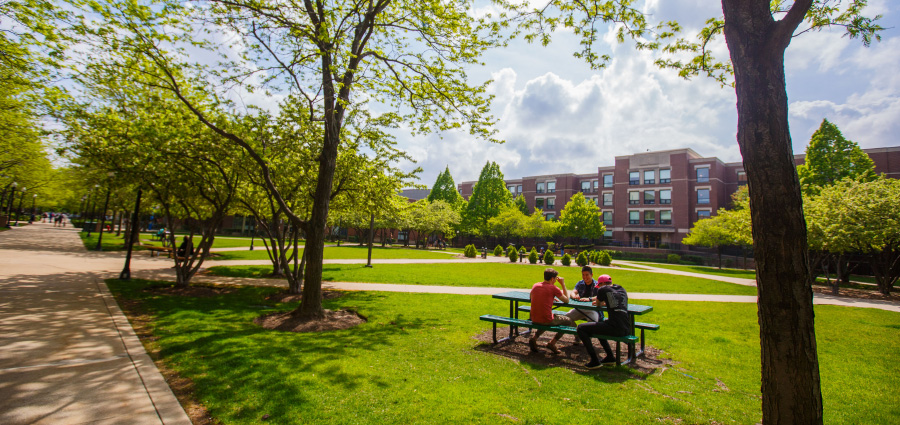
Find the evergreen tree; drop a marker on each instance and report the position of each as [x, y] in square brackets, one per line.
[489, 196]
[444, 189]
[831, 158]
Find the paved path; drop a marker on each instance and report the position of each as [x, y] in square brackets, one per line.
[69, 355]
[651, 269]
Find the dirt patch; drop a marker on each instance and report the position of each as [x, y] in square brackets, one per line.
[855, 293]
[183, 388]
[333, 320]
[571, 356]
[286, 297]
[202, 291]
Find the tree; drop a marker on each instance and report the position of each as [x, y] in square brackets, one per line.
[433, 218]
[581, 218]
[831, 158]
[711, 232]
[521, 204]
[489, 197]
[756, 43]
[329, 55]
[854, 216]
[444, 189]
[507, 224]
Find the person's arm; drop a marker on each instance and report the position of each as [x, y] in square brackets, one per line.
[564, 297]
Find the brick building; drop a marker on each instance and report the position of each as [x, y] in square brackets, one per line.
[653, 197]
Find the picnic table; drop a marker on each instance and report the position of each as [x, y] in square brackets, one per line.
[517, 297]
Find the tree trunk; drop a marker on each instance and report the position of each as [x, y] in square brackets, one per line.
[839, 268]
[791, 391]
[371, 239]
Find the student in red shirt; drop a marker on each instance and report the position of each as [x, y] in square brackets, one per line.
[542, 294]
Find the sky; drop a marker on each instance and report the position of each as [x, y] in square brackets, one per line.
[557, 115]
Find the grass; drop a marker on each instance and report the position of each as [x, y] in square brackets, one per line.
[740, 273]
[499, 275]
[110, 242]
[343, 253]
[415, 361]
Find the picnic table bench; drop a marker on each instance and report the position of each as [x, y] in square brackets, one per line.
[513, 321]
[156, 250]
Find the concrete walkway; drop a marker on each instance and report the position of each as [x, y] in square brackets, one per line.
[69, 355]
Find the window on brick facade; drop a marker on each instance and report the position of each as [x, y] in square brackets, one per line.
[702, 175]
[650, 217]
[551, 204]
[650, 177]
[702, 196]
[540, 187]
[539, 203]
[551, 187]
[634, 198]
[665, 196]
[607, 218]
[634, 177]
[702, 214]
[665, 217]
[665, 176]
[607, 199]
[649, 196]
[608, 180]
[634, 217]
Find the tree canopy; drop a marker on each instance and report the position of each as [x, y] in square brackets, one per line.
[444, 189]
[489, 197]
[581, 218]
[831, 158]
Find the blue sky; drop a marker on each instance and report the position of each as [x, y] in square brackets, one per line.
[556, 115]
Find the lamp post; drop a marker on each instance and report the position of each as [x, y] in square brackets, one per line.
[93, 208]
[126, 271]
[103, 213]
[19, 210]
[12, 196]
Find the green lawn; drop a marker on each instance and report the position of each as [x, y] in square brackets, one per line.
[111, 242]
[740, 273]
[344, 253]
[500, 275]
[416, 361]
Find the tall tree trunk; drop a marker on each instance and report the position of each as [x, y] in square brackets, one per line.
[371, 239]
[791, 392]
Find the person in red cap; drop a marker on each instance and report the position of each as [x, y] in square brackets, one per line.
[618, 323]
[542, 295]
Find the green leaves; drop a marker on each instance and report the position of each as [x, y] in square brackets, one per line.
[489, 197]
[831, 158]
[581, 218]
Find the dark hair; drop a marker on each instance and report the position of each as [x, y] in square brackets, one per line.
[587, 269]
[550, 274]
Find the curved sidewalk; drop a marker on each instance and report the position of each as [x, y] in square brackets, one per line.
[69, 354]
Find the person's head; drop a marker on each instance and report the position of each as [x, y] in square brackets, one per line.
[550, 274]
[604, 279]
[587, 274]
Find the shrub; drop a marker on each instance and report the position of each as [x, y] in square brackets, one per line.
[581, 259]
[693, 259]
[498, 251]
[566, 260]
[673, 258]
[513, 255]
[533, 256]
[549, 259]
[470, 251]
[551, 246]
[603, 258]
[595, 257]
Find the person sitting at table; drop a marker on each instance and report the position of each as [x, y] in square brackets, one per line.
[186, 248]
[542, 295]
[618, 324]
[161, 233]
[585, 291]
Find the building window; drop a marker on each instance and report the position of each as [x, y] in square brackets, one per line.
[665, 217]
[634, 198]
[607, 199]
[702, 214]
[539, 203]
[702, 175]
[519, 188]
[607, 233]
[596, 184]
[551, 217]
[607, 218]
[512, 190]
[634, 217]
[665, 196]
[650, 217]
[634, 177]
[586, 186]
[649, 177]
[608, 180]
[540, 187]
[649, 196]
[702, 196]
[665, 176]
[741, 178]
[551, 187]
[551, 204]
